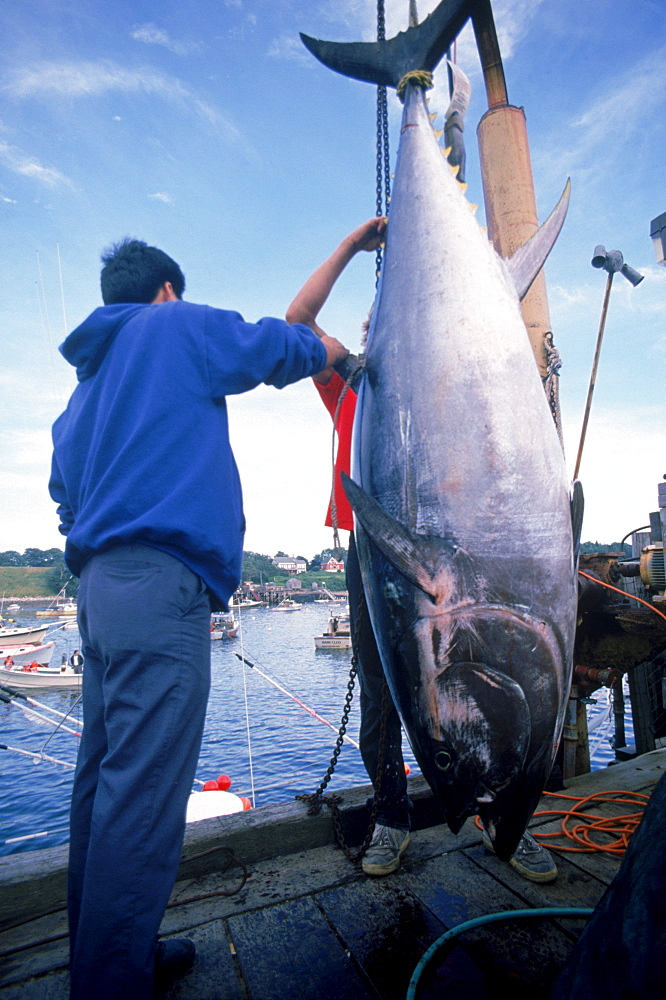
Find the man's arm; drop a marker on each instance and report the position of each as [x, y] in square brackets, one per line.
[305, 307]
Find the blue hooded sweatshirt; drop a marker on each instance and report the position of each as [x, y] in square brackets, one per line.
[142, 452]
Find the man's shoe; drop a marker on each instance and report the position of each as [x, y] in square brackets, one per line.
[387, 846]
[173, 959]
[530, 859]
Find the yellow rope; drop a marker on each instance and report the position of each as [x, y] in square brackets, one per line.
[420, 77]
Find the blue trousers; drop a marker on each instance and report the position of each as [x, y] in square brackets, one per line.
[394, 806]
[144, 620]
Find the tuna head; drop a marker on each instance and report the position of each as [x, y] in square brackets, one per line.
[479, 692]
[479, 680]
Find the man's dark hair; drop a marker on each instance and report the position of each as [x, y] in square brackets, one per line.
[135, 272]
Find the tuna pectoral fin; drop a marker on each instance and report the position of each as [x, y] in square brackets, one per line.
[386, 62]
[528, 260]
[393, 540]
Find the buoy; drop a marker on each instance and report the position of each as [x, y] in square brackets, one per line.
[246, 802]
[213, 803]
[224, 782]
[211, 786]
[408, 769]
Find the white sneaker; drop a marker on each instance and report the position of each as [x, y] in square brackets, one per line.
[387, 846]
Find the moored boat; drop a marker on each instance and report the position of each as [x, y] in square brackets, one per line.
[337, 634]
[35, 676]
[61, 611]
[20, 635]
[24, 653]
[223, 626]
[288, 605]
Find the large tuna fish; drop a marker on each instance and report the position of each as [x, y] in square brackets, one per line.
[459, 488]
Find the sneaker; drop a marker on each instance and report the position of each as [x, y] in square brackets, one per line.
[173, 959]
[387, 846]
[530, 859]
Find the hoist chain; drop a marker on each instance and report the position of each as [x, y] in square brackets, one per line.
[383, 185]
[317, 799]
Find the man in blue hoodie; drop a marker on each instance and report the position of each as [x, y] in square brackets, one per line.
[150, 500]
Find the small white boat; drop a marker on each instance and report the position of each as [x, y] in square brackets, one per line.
[13, 607]
[288, 605]
[19, 635]
[337, 634]
[26, 653]
[33, 676]
[223, 626]
[244, 604]
[63, 611]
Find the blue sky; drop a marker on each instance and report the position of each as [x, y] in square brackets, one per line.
[206, 128]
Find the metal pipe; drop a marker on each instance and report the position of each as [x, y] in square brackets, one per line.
[593, 376]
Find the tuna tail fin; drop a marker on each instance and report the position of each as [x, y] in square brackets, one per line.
[386, 62]
[415, 557]
[528, 260]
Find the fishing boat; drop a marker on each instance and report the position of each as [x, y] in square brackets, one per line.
[223, 626]
[288, 605]
[60, 607]
[337, 634]
[27, 652]
[36, 676]
[20, 635]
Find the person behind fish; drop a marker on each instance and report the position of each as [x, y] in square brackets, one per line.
[150, 500]
[391, 835]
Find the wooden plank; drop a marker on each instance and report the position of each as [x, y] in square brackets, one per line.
[28, 934]
[52, 987]
[35, 961]
[289, 951]
[290, 877]
[215, 974]
[456, 890]
[387, 930]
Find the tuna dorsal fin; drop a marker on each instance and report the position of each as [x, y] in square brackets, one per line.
[577, 507]
[386, 62]
[393, 540]
[528, 260]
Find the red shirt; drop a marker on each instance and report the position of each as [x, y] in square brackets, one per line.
[330, 395]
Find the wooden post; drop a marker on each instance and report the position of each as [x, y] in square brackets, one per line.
[508, 186]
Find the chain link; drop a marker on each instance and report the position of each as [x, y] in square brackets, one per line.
[317, 798]
[383, 164]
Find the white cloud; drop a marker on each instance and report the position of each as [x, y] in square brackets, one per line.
[10, 201]
[291, 49]
[150, 34]
[88, 79]
[162, 196]
[27, 166]
[636, 98]
[614, 504]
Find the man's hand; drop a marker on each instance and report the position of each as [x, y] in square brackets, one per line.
[335, 351]
[370, 235]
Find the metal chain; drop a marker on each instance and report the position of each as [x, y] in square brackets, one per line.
[383, 183]
[317, 798]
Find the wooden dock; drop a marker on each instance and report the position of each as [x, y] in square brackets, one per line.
[306, 924]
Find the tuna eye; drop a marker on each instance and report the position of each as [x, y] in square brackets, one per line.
[443, 760]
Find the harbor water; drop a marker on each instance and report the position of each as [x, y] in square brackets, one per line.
[271, 747]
